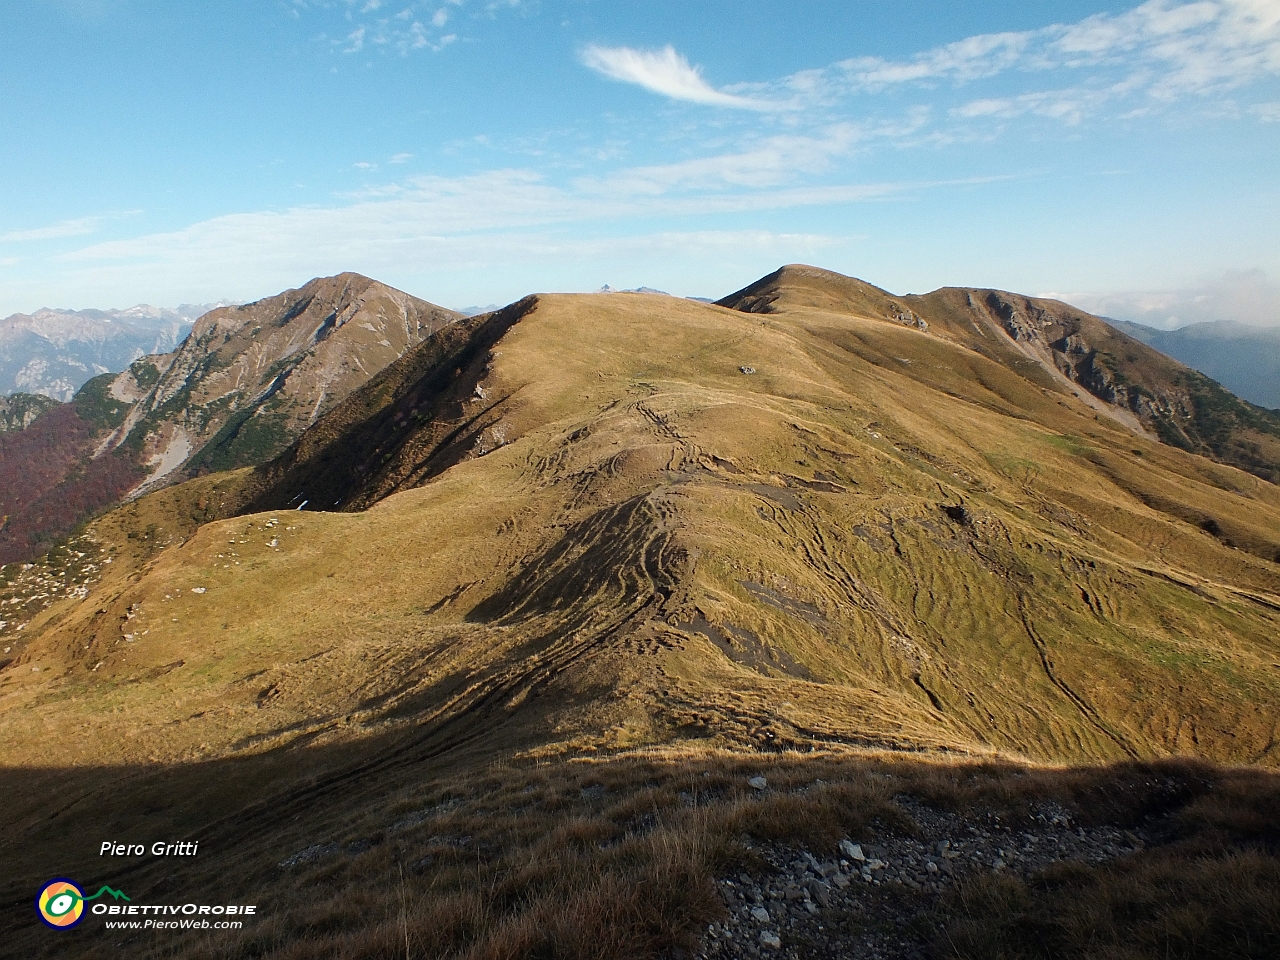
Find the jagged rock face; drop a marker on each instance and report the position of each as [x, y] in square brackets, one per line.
[249, 379]
[1081, 354]
[1180, 406]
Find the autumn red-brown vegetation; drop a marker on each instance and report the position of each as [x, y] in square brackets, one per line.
[50, 482]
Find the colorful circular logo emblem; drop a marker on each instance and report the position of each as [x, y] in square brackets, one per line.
[61, 903]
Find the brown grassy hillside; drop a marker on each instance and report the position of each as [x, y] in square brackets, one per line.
[592, 532]
[878, 520]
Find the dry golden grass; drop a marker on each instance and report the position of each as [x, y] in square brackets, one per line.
[604, 858]
[882, 540]
[762, 560]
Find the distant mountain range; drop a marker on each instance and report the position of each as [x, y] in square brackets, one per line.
[55, 352]
[474, 311]
[1244, 359]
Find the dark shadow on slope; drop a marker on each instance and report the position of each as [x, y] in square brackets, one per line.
[403, 427]
[416, 842]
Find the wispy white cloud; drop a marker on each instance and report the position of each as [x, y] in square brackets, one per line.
[1070, 105]
[771, 162]
[1185, 48]
[665, 72]
[401, 158]
[772, 173]
[505, 227]
[425, 215]
[65, 228]
[968, 59]
[1157, 53]
[434, 207]
[379, 27]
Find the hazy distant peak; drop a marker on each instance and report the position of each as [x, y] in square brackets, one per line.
[1243, 357]
[608, 289]
[475, 311]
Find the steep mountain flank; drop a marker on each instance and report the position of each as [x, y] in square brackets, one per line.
[421, 415]
[1122, 377]
[1181, 406]
[245, 383]
[54, 473]
[250, 379]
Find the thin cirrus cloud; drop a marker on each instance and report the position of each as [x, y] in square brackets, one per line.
[668, 73]
[375, 27]
[433, 208]
[1150, 56]
[1160, 49]
[769, 163]
[79, 227]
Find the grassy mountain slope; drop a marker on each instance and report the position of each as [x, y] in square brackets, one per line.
[895, 533]
[599, 534]
[1133, 383]
[1178, 405]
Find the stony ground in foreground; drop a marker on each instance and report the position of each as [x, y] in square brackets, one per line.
[880, 901]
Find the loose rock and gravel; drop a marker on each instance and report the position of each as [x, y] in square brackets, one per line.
[878, 900]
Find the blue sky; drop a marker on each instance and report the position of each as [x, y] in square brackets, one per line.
[1123, 157]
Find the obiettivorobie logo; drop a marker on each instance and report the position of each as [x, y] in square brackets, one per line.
[61, 905]
[60, 902]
